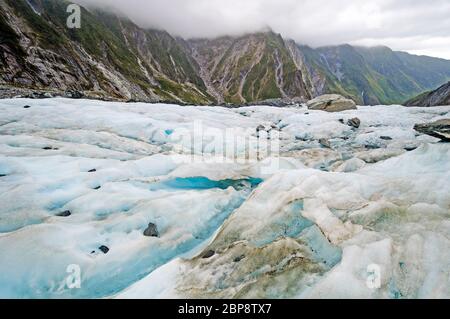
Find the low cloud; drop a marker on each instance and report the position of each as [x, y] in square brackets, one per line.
[417, 26]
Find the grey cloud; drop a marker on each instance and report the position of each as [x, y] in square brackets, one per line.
[413, 25]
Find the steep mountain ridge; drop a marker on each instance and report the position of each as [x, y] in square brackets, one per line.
[254, 67]
[111, 57]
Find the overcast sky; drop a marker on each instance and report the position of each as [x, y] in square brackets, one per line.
[416, 26]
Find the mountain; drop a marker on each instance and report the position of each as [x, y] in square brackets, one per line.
[374, 75]
[440, 96]
[111, 57]
[250, 68]
[107, 56]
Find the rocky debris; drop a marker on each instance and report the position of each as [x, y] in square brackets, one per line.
[386, 138]
[97, 188]
[73, 94]
[7, 92]
[103, 249]
[438, 97]
[325, 143]
[92, 170]
[151, 231]
[208, 254]
[38, 95]
[331, 103]
[238, 258]
[354, 122]
[439, 129]
[341, 121]
[50, 148]
[26, 107]
[65, 213]
[277, 102]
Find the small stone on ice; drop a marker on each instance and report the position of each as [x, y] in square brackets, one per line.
[325, 143]
[65, 213]
[208, 254]
[26, 107]
[104, 249]
[354, 122]
[151, 231]
[92, 171]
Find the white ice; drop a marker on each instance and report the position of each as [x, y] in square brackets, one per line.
[316, 226]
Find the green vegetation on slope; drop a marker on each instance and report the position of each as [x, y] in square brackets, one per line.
[376, 75]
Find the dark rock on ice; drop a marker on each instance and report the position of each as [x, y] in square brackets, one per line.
[65, 213]
[208, 254]
[151, 231]
[104, 249]
[354, 122]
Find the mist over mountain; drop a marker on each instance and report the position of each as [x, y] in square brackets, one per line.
[111, 56]
[414, 26]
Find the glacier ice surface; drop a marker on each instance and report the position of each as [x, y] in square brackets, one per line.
[317, 224]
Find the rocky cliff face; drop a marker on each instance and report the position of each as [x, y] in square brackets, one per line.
[107, 56]
[250, 68]
[112, 57]
[440, 96]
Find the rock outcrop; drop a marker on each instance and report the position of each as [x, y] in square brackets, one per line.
[439, 129]
[331, 103]
[438, 97]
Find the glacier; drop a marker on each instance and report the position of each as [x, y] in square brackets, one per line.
[365, 215]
